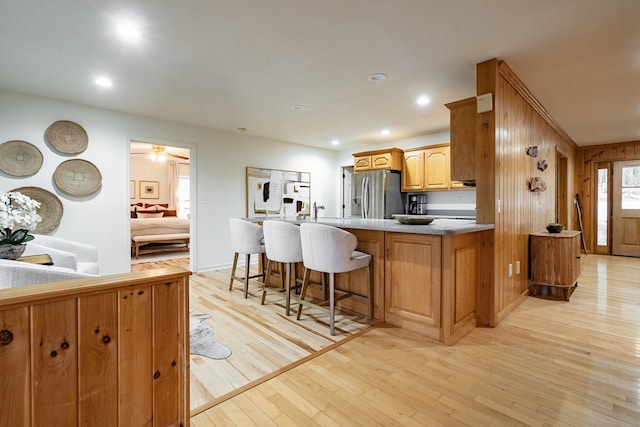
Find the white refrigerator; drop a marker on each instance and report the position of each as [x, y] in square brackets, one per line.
[376, 194]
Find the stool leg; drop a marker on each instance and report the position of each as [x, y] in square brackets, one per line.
[266, 282]
[287, 286]
[332, 303]
[303, 292]
[370, 296]
[246, 275]
[233, 270]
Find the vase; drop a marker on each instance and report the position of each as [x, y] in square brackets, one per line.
[12, 251]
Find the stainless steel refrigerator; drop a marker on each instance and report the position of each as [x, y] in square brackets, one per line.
[376, 194]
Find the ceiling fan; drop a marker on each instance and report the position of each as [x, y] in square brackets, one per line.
[159, 153]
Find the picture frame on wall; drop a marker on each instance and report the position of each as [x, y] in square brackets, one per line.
[132, 190]
[149, 189]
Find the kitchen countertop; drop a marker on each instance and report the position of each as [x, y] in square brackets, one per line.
[439, 226]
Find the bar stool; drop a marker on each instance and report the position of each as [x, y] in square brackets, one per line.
[282, 243]
[332, 250]
[246, 238]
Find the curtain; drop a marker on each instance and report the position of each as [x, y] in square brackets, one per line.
[173, 185]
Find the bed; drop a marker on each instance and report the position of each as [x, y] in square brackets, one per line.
[156, 228]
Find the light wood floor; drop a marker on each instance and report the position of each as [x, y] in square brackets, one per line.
[550, 363]
[264, 341]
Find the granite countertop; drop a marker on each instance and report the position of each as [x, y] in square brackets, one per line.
[440, 226]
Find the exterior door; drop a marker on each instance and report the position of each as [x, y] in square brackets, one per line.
[626, 208]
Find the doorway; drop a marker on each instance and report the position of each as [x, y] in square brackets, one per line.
[161, 188]
[625, 230]
[347, 175]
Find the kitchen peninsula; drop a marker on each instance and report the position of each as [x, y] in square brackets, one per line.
[425, 277]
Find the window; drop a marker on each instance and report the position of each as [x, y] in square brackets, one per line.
[631, 187]
[603, 206]
[184, 208]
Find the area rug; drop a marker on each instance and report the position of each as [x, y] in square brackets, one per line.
[202, 340]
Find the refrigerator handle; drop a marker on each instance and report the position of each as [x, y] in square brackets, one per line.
[365, 197]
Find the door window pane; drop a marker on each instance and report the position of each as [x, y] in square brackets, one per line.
[631, 187]
[603, 216]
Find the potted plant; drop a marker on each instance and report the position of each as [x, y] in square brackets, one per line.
[18, 215]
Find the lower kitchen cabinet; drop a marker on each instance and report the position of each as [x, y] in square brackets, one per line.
[412, 282]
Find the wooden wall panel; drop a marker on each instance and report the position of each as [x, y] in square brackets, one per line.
[136, 332]
[98, 379]
[517, 122]
[166, 371]
[15, 357]
[96, 351]
[55, 363]
[587, 160]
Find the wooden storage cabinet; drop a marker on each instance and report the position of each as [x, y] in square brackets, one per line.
[428, 169]
[412, 282]
[463, 139]
[389, 158]
[555, 261]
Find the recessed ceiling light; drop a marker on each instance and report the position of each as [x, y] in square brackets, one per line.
[104, 82]
[377, 77]
[423, 100]
[385, 132]
[128, 31]
[335, 142]
[298, 107]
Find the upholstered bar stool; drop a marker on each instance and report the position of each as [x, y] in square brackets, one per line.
[282, 243]
[332, 250]
[246, 238]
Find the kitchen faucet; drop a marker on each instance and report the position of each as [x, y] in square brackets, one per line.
[316, 208]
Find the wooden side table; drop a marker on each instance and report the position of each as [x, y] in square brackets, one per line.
[555, 260]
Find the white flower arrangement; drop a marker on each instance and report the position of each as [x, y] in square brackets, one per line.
[17, 210]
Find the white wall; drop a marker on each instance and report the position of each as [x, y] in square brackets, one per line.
[219, 162]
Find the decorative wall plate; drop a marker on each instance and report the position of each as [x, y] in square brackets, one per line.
[67, 137]
[50, 208]
[20, 158]
[77, 177]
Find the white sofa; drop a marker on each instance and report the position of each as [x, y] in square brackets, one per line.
[71, 260]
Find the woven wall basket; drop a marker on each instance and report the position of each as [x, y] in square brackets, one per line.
[67, 137]
[78, 177]
[20, 158]
[50, 208]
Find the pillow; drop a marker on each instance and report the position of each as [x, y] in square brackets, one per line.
[170, 212]
[157, 206]
[150, 215]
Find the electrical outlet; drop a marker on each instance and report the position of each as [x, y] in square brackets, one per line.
[510, 270]
[517, 267]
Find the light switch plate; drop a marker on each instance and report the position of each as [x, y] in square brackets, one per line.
[484, 102]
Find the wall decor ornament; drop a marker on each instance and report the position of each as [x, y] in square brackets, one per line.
[67, 137]
[537, 184]
[542, 165]
[132, 190]
[50, 210]
[149, 190]
[20, 158]
[532, 151]
[78, 177]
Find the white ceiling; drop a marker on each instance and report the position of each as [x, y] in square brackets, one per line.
[232, 64]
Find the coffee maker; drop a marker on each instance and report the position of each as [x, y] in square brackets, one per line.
[417, 204]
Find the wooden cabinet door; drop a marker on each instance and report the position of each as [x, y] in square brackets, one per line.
[412, 282]
[361, 163]
[463, 139]
[436, 168]
[381, 161]
[413, 171]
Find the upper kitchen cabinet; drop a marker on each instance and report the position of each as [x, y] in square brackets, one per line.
[463, 139]
[389, 158]
[427, 168]
[413, 171]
